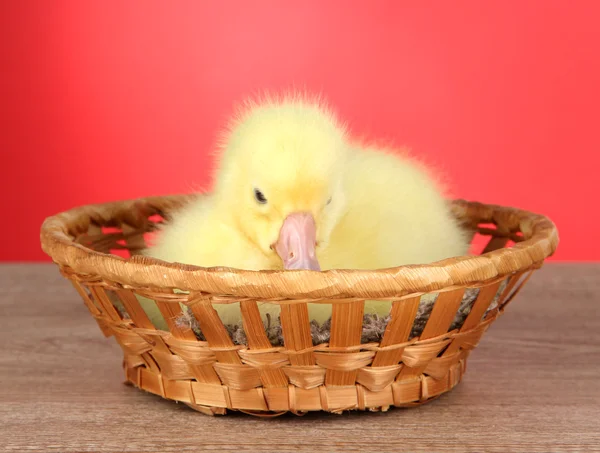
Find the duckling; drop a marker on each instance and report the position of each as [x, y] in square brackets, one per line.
[293, 191]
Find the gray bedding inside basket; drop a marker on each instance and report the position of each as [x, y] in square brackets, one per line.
[373, 325]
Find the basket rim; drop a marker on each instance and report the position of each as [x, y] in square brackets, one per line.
[540, 233]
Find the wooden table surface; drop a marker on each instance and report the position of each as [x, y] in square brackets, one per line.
[532, 385]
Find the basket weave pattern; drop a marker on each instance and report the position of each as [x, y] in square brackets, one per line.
[259, 378]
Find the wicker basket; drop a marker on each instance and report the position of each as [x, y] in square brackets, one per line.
[259, 378]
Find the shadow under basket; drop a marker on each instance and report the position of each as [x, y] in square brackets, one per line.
[433, 315]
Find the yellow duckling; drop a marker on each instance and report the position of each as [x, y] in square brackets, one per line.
[292, 191]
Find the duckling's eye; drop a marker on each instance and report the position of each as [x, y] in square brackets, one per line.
[259, 196]
[328, 201]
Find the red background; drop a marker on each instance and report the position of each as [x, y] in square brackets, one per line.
[104, 100]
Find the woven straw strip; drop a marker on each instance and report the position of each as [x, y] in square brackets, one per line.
[439, 367]
[134, 240]
[343, 362]
[215, 332]
[495, 243]
[204, 372]
[296, 333]
[481, 304]
[417, 356]
[265, 361]
[377, 378]
[397, 331]
[257, 340]
[346, 330]
[139, 318]
[172, 366]
[86, 298]
[306, 377]
[130, 342]
[237, 376]
[510, 297]
[193, 352]
[104, 302]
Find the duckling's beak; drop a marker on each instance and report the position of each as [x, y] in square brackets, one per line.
[297, 242]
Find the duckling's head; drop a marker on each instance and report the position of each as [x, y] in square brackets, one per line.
[280, 176]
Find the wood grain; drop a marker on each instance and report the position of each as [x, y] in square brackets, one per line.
[531, 385]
